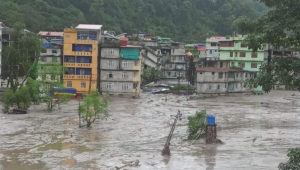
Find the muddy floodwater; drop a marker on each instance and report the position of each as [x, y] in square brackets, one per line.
[138, 128]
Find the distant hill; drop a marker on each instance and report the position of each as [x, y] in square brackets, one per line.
[182, 20]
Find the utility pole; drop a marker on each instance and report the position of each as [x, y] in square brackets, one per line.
[166, 150]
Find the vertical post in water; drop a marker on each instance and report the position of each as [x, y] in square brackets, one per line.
[166, 150]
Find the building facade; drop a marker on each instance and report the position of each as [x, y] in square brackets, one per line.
[80, 57]
[219, 78]
[240, 56]
[120, 68]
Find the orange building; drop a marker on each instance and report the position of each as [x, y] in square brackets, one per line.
[81, 57]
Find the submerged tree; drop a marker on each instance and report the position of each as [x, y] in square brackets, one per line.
[94, 107]
[293, 162]
[279, 27]
[197, 124]
[49, 79]
[151, 74]
[17, 59]
[19, 99]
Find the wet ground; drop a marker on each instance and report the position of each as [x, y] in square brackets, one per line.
[138, 128]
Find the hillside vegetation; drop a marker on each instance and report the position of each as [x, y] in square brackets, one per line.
[183, 20]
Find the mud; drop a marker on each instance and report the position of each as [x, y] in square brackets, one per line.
[138, 128]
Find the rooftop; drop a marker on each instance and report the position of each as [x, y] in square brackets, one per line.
[51, 34]
[88, 27]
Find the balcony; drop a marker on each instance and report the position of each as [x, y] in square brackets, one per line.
[83, 65]
[79, 53]
[77, 77]
[86, 42]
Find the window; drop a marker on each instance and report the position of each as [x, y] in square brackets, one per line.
[83, 84]
[82, 71]
[218, 86]
[225, 85]
[173, 50]
[200, 72]
[180, 58]
[54, 58]
[82, 47]
[125, 63]
[242, 54]
[72, 71]
[231, 54]
[236, 54]
[216, 51]
[110, 51]
[221, 64]
[246, 75]
[44, 59]
[237, 75]
[54, 51]
[244, 45]
[169, 73]
[82, 60]
[170, 65]
[124, 75]
[209, 86]
[69, 84]
[243, 65]
[125, 86]
[110, 63]
[253, 65]
[254, 55]
[236, 85]
[220, 75]
[109, 75]
[213, 44]
[232, 64]
[109, 86]
[210, 51]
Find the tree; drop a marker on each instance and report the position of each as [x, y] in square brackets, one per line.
[94, 107]
[17, 59]
[293, 162]
[197, 124]
[279, 27]
[49, 74]
[19, 98]
[150, 74]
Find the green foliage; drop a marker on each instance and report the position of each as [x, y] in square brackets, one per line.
[34, 90]
[283, 71]
[20, 99]
[94, 107]
[293, 162]
[189, 21]
[197, 124]
[150, 74]
[279, 26]
[18, 58]
[49, 74]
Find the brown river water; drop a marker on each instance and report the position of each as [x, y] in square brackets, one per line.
[138, 128]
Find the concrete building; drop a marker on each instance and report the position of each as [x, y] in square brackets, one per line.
[52, 44]
[212, 47]
[285, 52]
[219, 78]
[80, 57]
[120, 68]
[1, 27]
[240, 56]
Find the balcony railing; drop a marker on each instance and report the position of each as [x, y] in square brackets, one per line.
[76, 53]
[86, 41]
[77, 64]
[81, 77]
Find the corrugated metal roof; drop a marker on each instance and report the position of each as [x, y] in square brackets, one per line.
[51, 34]
[89, 27]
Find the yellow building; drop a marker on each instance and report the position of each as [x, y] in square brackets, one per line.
[81, 57]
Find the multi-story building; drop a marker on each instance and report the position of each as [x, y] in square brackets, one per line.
[240, 56]
[219, 78]
[120, 68]
[212, 47]
[52, 43]
[285, 52]
[80, 57]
